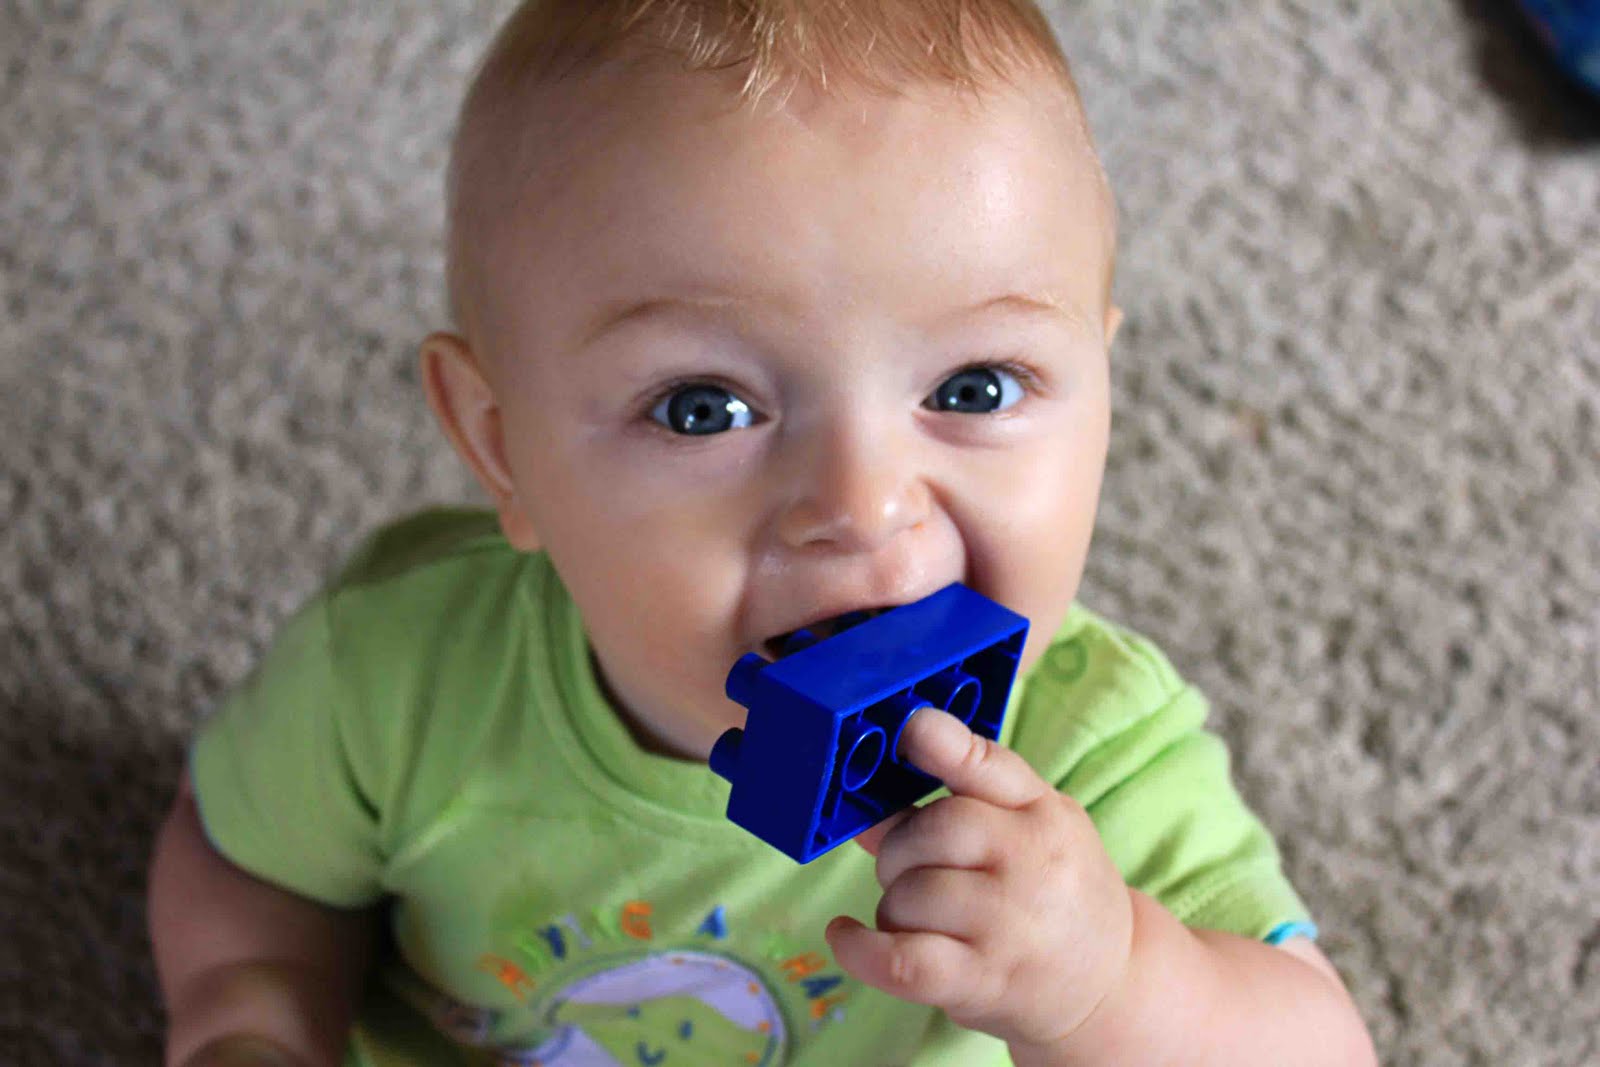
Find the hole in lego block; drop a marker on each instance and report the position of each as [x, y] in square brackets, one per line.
[860, 761]
[994, 667]
[954, 690]
[964, 704]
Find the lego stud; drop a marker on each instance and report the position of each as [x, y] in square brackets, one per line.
[955, 691]
[741, 683]
[863, 745]
[798, 640]
[725, 753]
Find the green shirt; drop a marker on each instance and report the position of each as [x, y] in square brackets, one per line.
[428, 732]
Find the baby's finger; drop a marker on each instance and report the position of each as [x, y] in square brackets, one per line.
[938, 900]
[953, 832]
[872, 837]
[920, 967]
[969, 764]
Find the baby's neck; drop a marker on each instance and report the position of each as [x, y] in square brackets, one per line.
[643, 736]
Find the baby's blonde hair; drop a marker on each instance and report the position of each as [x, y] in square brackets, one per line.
[879, 45]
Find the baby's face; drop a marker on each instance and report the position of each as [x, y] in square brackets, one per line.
[830, 390]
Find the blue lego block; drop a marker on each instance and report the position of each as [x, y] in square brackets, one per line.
[815, 763]
[1570, 29]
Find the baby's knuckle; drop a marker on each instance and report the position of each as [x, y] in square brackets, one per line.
[1053, 809]
[905, 970]
[925, 970]
[980, 992]
[980, 753]
[946, 816]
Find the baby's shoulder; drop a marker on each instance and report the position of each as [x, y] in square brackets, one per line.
[426, 609]
[1090, 650]
[422, 564]
[412, 587]
[421, 542]
[1100, 687]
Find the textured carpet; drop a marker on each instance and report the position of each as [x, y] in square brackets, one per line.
[1352, 492]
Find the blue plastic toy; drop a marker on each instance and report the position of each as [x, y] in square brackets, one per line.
[816, 762]
[1571, 30]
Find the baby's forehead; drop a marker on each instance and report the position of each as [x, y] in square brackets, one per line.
[552, 135]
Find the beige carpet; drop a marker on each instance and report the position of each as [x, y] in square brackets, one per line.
[1353, 488]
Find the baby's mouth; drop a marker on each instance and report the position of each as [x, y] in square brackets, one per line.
[789, 642]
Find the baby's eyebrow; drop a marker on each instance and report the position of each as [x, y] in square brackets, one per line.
[1023, 303]
[619, 313]
[717, 304]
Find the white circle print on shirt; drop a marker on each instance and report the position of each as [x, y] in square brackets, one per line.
[673, 1009]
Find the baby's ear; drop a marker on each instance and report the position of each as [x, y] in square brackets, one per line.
[1113, 324]
[464, 403]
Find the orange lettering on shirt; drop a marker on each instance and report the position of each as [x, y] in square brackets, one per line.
[508, 974]
[822, 1006]
[636, 919]
[798, 967]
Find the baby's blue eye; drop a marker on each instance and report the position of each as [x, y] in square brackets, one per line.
[977, 390]
[701, 410]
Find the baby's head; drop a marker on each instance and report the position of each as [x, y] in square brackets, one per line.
[767, 310]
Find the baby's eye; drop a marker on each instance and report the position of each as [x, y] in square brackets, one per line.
[978, 390]
[701, 410]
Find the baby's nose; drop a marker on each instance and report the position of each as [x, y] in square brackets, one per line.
[853, 492]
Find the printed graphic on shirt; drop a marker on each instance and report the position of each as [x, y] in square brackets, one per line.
[611, 992]
[662, 1010]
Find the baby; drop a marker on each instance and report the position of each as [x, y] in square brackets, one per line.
[765, 312]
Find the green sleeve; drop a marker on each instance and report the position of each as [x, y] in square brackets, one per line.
[1163, 799]
[1108, 720]
[273, 773]
[947, 1045]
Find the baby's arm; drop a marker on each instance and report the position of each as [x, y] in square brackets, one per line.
[1002, 906]
[244, 965]
[1203, 997]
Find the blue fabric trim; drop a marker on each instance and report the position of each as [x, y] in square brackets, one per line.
[1284, 931]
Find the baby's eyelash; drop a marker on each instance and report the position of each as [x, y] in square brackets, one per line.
[1021, 371]
[688, 381]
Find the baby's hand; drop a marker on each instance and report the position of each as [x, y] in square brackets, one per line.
[1000, 904]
